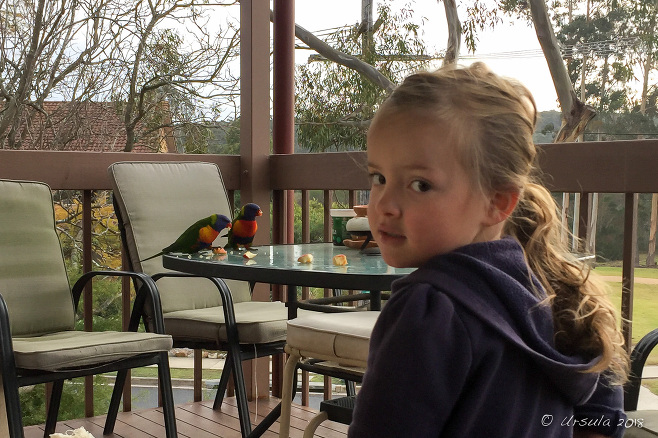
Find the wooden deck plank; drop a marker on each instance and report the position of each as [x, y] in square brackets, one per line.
[185, 428]
[33, 432]
[197, 420]
[92, 428]
[300, 416]
[137, 421]
[121, 428]
[209, 420]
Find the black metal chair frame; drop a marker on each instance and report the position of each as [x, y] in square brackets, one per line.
[146, 292]
[233, 348]
[639, 357]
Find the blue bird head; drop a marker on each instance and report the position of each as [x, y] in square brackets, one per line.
[221, 222]
[250, 211]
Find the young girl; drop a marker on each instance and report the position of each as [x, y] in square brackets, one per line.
[499, 332]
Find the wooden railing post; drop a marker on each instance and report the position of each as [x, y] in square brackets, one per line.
[628, 267]
[87, 301]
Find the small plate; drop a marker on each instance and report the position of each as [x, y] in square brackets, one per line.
[357, 244]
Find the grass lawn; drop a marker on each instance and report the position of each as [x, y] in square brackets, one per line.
[639, 272]
[176, 373]
[645, 302]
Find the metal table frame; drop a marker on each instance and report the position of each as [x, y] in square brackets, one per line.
[277, 264]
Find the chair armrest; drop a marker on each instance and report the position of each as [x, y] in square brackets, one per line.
[639, 357]
[146, 291]
[160, 275]
[224, 293]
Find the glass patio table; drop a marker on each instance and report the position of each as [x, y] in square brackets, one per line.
[277, 264]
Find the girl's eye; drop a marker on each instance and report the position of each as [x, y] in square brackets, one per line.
[377, 179]
[420, 186]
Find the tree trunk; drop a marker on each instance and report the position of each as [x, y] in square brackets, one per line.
[651, 253]
[454, 32]
[575, 114]
[367, 28]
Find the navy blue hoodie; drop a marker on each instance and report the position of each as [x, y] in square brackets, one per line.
[464, 348]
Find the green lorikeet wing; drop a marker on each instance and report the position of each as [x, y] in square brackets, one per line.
[197, 236]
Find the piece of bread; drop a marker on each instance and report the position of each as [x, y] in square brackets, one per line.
[305, 258]
[340, 260]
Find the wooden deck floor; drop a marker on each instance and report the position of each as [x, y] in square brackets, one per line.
[196, 420]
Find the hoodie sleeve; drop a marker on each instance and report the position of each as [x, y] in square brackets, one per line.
[420, 354]
[603, 412]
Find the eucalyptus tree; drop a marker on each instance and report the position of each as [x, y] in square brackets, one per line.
[339, 90]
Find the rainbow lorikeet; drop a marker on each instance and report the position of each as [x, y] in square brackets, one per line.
[244, 227]
[198, 236]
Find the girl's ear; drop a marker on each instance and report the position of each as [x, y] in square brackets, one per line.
[502, 204]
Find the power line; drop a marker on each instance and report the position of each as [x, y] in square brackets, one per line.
[594, 48]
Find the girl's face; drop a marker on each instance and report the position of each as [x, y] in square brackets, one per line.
[422, 202]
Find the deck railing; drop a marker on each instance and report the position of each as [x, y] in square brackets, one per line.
[626, 167]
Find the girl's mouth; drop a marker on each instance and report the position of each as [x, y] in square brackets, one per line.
[390, 237]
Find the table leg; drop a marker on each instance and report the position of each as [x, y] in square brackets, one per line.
[292, 301]
[375, 300]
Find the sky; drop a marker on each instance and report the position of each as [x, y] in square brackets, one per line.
[510, 49]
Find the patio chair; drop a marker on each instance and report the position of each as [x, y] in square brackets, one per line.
[38, 343]
[155, 202]
[333, 344]
[641, 423]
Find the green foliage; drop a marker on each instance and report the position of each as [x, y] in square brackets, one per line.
[316, 217]
[225, 138]
[33, 401]
[334, 103]
[622, 125]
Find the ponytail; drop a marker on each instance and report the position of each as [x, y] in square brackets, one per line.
[492, 120]
[585, 322]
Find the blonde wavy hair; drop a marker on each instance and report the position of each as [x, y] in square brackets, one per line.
[491, 119]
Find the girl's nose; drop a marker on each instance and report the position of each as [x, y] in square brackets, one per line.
[387, 202]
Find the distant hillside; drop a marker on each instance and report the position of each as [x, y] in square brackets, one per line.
[548, 123]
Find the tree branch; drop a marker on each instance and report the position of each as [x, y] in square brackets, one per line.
[575, 114]
[341, 58]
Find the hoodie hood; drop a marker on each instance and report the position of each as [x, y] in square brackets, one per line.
[492, 281]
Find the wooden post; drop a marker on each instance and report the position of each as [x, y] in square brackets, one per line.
[255, 144]
[651, 253]
[87, 303]
[628, 268]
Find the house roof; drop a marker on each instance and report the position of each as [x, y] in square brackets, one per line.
[85, 126]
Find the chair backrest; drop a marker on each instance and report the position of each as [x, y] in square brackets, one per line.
[157, 201]
[33, 278]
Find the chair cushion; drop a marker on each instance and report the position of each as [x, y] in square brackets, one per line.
[31, 262]
[158, 201]
[258, 322]
[341, 337]
[643, 424]
[77, 348]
